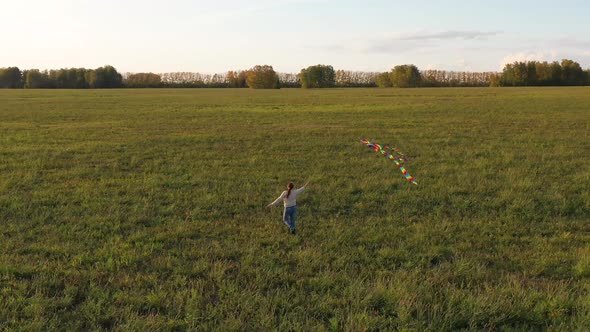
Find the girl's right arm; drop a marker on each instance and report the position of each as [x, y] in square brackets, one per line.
[302, 188]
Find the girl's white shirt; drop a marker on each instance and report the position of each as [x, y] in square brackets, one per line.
[291, 200]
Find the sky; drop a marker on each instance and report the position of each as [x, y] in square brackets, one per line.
[217, 36]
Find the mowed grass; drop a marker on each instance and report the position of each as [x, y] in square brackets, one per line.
[145, 210]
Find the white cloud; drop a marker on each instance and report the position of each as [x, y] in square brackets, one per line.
[450, 34]
[418, 42]
[425, 41]
[572, 43]
[551, 55]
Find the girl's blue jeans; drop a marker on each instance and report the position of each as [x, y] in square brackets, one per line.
[289, 216]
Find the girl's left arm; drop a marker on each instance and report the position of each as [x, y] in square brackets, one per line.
[277, 200]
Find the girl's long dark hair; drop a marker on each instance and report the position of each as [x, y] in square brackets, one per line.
[289, 186]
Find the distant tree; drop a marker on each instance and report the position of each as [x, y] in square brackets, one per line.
[289, 80]
[383, 80]
[543, 72]
[142, 80]
[508, 75]
[531, 74]
[515, 74]
[236, 79]
[243, 78]
[572, 73]
[81, 78]
[104, 77]
[495, 80]
[405, 76]
[343, 78]
[519, 74]
[232, 79]
[68, 78]
[443, 78]
[350, 79]
[318, 76]
[183, 80]
[11, 78]
[217, 81]
[535, 73]
[90, 78]
[430, 78]
[61, 78]
[262, 77]
[555, 77]
[35, 79]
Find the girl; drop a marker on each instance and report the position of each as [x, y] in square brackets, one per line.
[289, 201]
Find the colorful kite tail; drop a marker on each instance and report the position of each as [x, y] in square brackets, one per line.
[398, 160]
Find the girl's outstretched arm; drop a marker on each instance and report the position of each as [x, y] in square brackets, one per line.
[302, 187]
[277, 200]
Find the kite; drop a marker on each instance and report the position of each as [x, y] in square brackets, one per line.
[395, 155]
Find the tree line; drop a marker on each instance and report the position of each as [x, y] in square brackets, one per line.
[530, 73]
[71, 78]
[535, 73]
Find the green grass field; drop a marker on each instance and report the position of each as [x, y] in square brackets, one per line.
[145, 210]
